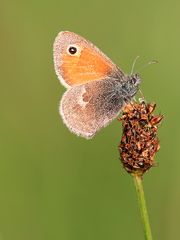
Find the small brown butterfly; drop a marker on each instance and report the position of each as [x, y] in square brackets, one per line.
[97, 89]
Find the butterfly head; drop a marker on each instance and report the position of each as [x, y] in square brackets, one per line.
[135, 79]
[131, 85]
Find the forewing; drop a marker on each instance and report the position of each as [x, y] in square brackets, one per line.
[87, 64]
[87, 108]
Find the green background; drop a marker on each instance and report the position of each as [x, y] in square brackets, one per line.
[54, 185]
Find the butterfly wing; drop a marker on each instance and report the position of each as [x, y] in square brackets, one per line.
[85, 63]
[87, 108]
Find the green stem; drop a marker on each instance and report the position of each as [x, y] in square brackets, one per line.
[142, 206]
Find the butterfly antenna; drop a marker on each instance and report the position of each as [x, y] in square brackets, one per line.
[133, 65]
[147, 64]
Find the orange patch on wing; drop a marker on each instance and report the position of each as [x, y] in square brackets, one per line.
[88, 66]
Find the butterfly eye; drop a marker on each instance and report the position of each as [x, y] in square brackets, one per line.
[72, 50]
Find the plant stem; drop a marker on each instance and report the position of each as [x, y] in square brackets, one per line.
[142, 205]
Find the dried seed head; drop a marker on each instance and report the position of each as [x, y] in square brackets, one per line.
[139, 142]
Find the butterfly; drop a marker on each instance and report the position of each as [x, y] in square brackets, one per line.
[97, 89]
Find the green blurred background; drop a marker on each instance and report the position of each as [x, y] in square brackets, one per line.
[54, 185]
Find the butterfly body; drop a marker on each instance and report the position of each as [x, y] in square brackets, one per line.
[97, 88]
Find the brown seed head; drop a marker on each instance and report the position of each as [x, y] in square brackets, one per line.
[139, 142]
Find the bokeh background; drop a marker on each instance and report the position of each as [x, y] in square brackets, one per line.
[54, 185]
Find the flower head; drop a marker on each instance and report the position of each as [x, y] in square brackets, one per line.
[139, 142]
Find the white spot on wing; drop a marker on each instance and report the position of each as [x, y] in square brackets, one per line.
[80, 100]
